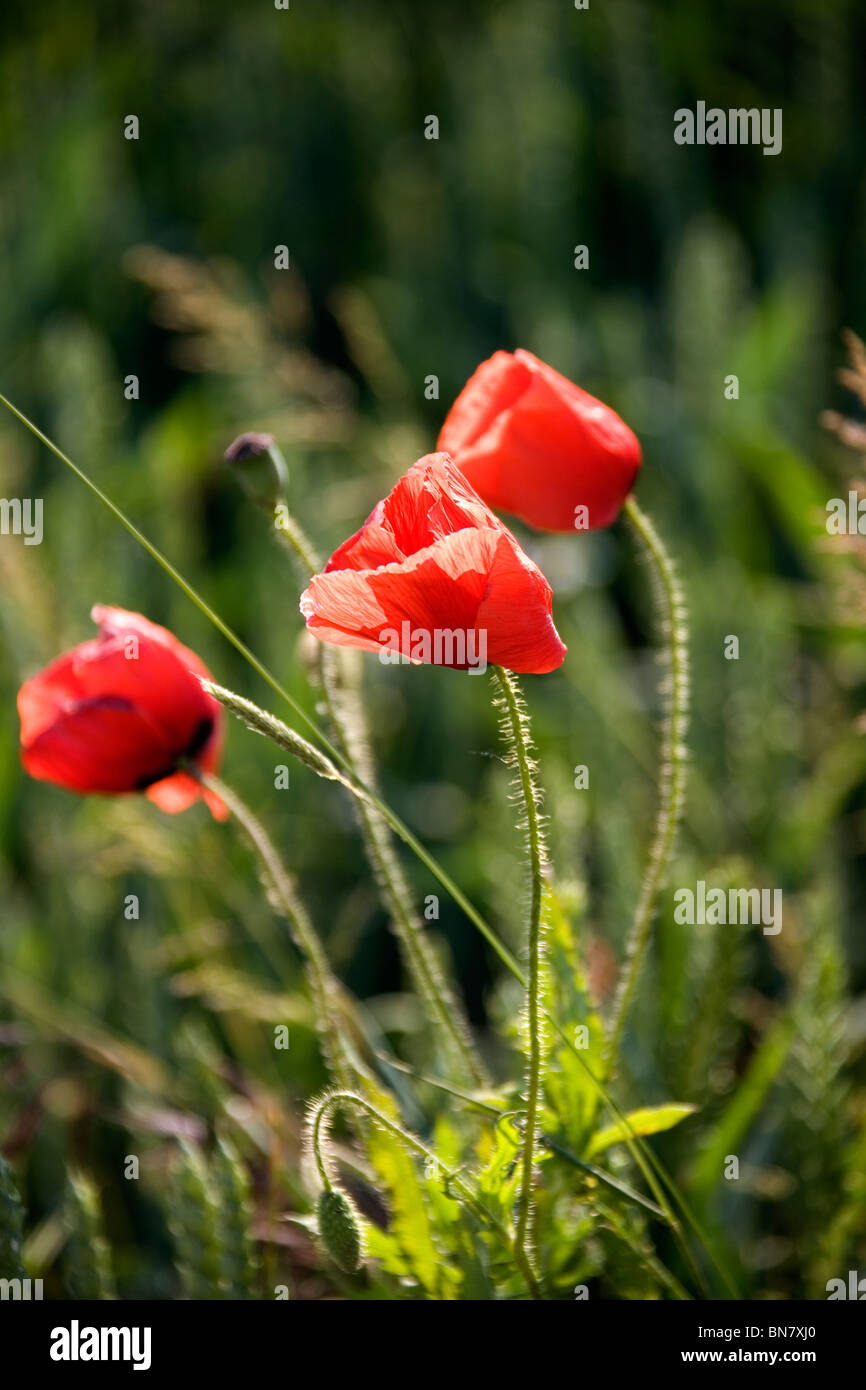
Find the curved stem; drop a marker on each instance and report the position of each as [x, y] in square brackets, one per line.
[515, 727]
[672, 757]
[318, 1143]
[319, 1120]
[296, 539]
[324, 986]
[394, 821]
[345, 708]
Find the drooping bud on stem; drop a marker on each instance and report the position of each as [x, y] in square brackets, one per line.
[339, 1229]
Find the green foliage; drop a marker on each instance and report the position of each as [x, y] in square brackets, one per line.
[209, 1212]
[232, 1195]
[651, 1119]
[11, 1225]
[87, 1256]
[156, 1035]
[200, 1248]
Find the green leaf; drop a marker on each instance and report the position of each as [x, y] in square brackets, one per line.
[651, 1119]
[571, 1095]
[411, 1226]
[498, 1178]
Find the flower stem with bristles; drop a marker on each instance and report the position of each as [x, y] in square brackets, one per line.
[345, 708]
[673, 630]
[295, 539]
[515, 728]
[318, 1123]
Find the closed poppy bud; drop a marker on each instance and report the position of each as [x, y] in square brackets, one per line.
[122, 713]
[260, 467]
[433, 576]
[339, 1229]
[533, 444]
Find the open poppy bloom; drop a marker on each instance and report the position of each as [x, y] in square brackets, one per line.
[433, 576]
[119, 713]
[533, 444]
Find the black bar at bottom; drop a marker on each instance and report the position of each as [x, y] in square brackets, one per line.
[84, 1340]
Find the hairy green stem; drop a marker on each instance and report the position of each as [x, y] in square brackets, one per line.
[318, 1122]
[672, 756]
[296, 539]
[515, 727]
[424, 969]
[345, 707]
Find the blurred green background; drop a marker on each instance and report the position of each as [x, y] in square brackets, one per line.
[411, 257]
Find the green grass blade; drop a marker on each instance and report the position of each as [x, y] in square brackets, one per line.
[396, 824]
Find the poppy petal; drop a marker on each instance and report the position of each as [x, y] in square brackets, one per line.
[178, 792]
[104, 744]
[120, 712]
[465, 573]
[533, 443]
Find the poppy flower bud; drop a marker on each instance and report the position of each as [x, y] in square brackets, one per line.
[339, 1229]
[124, 712]
[533, 444]
[260, 468]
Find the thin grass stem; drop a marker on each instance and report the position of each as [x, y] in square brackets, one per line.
[393, 820]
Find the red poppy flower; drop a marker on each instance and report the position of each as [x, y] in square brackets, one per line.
[433, 576]
[118, 713]
[534, 444]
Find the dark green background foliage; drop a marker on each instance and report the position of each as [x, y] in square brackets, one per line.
[413, 257]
